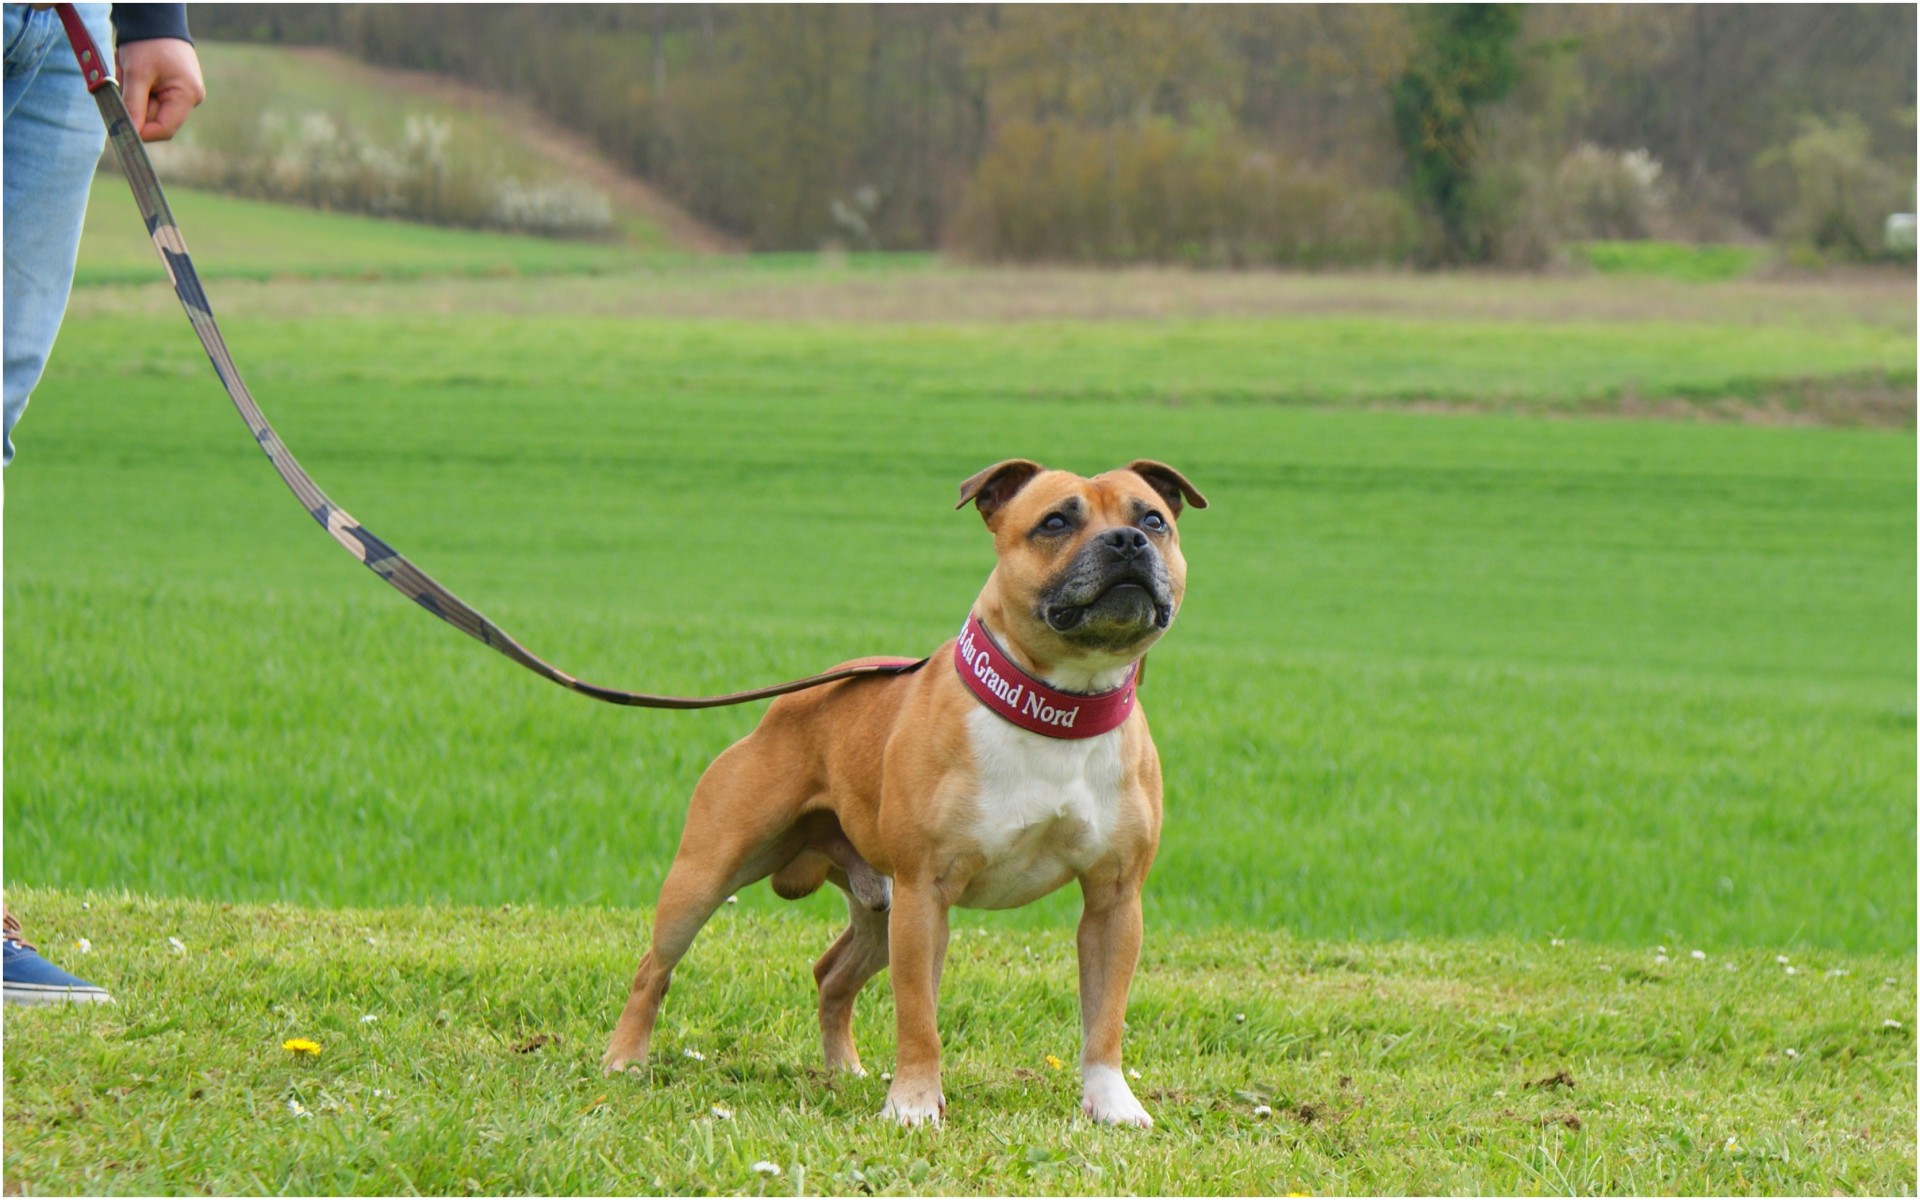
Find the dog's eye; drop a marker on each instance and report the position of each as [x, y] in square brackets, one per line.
[1155, 522]
[1055, 523]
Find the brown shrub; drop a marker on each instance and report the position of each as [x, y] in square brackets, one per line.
[1051, 191]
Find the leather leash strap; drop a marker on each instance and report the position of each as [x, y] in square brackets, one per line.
[379, 557]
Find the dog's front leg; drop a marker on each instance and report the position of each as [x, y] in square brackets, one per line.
[917, 941]
[1109, 943]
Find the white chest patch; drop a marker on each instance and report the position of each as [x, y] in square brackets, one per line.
[1046, 809]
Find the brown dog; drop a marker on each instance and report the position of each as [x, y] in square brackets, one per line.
[1014, 760]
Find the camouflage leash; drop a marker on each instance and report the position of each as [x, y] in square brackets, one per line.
[381, 558]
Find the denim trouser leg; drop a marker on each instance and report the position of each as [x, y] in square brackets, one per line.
[53, 139]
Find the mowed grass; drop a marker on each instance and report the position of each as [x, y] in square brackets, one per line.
[1626, 682]
[458, 1054]
[1555, 366]
[1476, 727]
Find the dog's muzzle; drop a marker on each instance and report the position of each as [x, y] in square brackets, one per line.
[1114, 592]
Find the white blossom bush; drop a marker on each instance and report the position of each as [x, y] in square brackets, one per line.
[314, 159]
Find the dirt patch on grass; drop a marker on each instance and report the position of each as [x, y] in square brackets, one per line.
[1565, 1120]
[922, 291]
[1843, 401]
[1839, 402]
[958, 293]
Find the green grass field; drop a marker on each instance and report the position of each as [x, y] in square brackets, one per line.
[447, 1066]
[1447, 686]
[1569, 653]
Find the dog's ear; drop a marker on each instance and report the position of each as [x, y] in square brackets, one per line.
[997, 484]
[1171, 484]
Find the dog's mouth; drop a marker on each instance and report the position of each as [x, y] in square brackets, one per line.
[1125, 605]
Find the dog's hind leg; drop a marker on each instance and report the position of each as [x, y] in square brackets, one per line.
[687, 899]
[858, 955]
[730, 842]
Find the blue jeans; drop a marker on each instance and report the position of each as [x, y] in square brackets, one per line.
[53, 139]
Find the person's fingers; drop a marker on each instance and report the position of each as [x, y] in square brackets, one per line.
[134, 85]
[161, 83]
[166, 112]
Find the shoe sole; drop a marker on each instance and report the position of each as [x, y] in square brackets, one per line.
[33, 993]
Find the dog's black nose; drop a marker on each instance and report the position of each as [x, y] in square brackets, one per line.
[1125, 543]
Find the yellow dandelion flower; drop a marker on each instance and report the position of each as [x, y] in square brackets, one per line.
[301, 1045]
[1054, 1062]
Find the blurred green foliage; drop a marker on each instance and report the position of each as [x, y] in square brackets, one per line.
[1463, 60]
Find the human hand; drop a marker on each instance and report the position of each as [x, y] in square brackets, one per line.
[160, 79]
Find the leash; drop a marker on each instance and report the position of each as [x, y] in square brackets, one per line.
[379, 557]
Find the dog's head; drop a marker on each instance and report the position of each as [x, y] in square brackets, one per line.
[1090, 571]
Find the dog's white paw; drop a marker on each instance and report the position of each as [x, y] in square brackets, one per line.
[1105, 1096]
[912, 1105]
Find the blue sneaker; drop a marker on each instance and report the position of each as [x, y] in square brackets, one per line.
[31, 979]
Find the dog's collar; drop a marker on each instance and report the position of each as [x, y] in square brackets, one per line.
[1013, 695]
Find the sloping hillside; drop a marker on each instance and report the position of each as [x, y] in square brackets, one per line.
[272, 111]
[533, 133]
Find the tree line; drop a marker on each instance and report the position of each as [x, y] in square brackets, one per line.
[1216, 135]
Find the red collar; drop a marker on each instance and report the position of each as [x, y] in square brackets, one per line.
[1013, 695]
